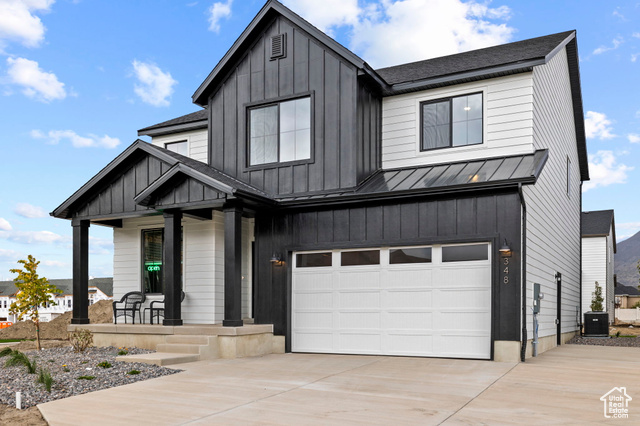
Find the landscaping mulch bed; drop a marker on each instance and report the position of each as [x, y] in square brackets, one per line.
[603, 341]
[59, 360]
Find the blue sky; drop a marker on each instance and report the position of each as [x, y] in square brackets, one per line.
[79, 77]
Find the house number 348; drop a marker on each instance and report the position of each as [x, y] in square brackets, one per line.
[505, 270]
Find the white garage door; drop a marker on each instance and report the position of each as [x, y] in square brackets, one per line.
[418, 301]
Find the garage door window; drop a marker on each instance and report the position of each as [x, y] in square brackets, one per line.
[410, 255]
[359, 258]
[313, 260]
[465, 253]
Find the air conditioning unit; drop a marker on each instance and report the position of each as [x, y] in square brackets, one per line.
[596, 324]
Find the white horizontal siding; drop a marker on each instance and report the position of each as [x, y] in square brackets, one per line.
[553, 217]
[594, 268]
[508, 123]
[197, 141]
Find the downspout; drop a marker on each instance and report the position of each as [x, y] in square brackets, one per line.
[523, 251]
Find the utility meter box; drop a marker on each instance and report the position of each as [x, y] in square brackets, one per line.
[537, 297]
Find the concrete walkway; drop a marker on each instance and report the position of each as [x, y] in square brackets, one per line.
[562, 386]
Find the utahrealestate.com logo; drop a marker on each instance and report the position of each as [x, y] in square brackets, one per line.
[616, 403]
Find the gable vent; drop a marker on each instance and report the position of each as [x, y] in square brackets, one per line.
[278, 46]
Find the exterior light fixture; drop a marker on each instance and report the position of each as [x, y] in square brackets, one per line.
[505, 250]
[275, 259]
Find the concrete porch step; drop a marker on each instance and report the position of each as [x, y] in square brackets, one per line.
[188, 339]
[179, 348]
[160, 358]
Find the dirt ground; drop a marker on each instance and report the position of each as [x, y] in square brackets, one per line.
[14, 417]
[625, 329]
[99, 313]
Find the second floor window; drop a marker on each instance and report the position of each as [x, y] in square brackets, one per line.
[181, 148]
[451, 122]
[280, 132]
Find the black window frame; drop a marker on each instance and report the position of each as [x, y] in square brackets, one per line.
[277, 101]
[142, 266]
[450, 100]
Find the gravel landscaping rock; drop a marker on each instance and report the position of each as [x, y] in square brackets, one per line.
[603, 341]
[58, 360]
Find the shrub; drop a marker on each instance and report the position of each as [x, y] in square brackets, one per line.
[81, 339]
[44, 377]
[86, 377]
[105, 364]
[18, 358]
[6, 352]
[134, 372]
[123, 352]
[597, 299]
[618, 334]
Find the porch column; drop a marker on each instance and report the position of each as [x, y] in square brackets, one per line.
[172, 274]
[80, 271]
[232, 266]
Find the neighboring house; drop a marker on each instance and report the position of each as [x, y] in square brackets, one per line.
[626, 296]
[359, 211]
[598, 248]
[99, 289]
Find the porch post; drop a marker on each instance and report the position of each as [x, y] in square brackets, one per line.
[80, 271]
[232, 266]
[172, 274]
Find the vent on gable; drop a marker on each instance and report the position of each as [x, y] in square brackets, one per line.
[278, 46]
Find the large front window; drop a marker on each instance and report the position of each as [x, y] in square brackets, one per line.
[280, 132]
[152, 260]
[451, 122]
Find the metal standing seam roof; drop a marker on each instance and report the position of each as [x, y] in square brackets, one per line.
[487, 172]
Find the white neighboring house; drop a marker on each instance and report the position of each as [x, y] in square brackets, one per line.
[99, 289]
[598, 248]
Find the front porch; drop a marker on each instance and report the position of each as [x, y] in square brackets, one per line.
[186, 343]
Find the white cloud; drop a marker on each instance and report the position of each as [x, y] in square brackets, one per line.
[5, 225]
[636, 35]
[10, 255]
[634, 57]
[619, 15]
[18, 22]
[633, 138]
[55, 136]
[597, 125]
[604, 170]
[628, 225]
[29, 211]
[30, 237]
[100, 245]
[154, 86]
[36, 83]
[217, 12]
[411, 30]
[615, 43]
[328, 13]
[55, 263]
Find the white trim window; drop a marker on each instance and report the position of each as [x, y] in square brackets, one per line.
[181, 147]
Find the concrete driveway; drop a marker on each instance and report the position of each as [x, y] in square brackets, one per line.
[562, 386]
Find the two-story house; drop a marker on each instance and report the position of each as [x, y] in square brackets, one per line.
[598, 250]
[403, 211]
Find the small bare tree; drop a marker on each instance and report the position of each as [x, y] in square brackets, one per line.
[33, 292]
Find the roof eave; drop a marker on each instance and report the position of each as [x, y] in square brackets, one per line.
[176, 128]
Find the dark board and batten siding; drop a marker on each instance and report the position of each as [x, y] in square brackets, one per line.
[308, 67]
[188, 191]
[369, 131]
[466, 219]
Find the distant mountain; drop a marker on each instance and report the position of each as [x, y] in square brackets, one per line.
[627, 261]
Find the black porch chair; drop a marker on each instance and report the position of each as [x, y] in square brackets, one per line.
[132, 302]
[159, 310]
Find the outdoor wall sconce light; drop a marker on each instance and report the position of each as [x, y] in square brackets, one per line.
[276, 259]
[505, 250]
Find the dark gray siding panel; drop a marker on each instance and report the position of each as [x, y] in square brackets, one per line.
[429, 221]
[368, 128]
[307, 67]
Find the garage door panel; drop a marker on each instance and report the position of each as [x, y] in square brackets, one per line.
[465, 299]
[313, 320]
[313, 342]
[360, 320]
[471, 346]
[411, 278]
[352, 280]
[314, 280]
[407, 299]
[314, 300]
[464, 321]
[360, 342]
[409, 344]
[397, 321]
[358, 300]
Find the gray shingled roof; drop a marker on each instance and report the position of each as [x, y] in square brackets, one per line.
[184, 119]
[596, 223]
[512, 53]
[8, 288]
[627, 290]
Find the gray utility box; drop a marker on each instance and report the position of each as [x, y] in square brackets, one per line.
[596, 324]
